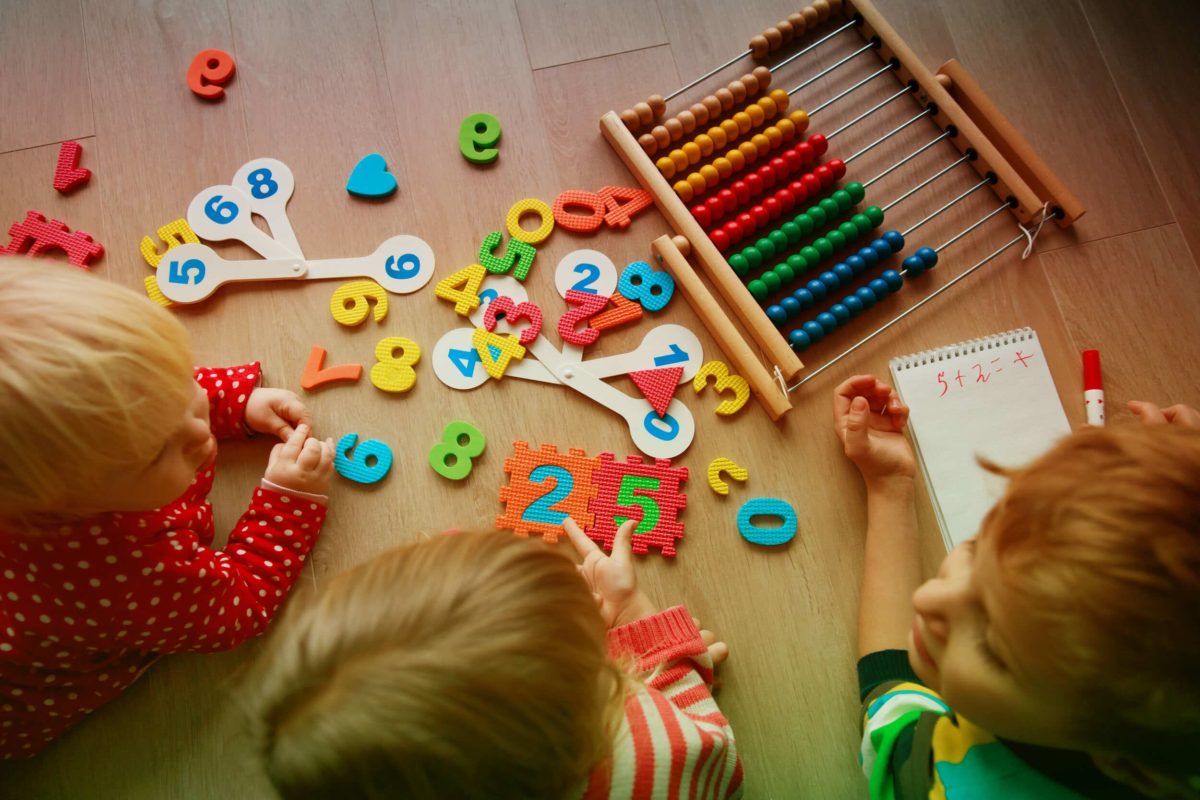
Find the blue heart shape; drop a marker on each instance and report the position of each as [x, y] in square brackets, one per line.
[370, 178]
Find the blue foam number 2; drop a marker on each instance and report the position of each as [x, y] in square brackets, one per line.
[653, 423]
[261, 185]
[767, 507]
[592, 275]
[220, 213]
[406, 266]
[179, 273]
[372, 459]
[540, 510]
[464, 361]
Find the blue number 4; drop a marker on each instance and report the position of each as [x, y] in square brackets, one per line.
[465, 361]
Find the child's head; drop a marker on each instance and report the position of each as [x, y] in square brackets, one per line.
[98, 409]
[467, 665]
[1073, 618]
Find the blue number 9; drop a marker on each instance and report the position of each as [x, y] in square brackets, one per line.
[179, 273]
[220, 213]
[653, 421]
[261, 185]
[406, 266]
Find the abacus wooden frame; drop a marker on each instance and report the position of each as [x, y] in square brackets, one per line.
[960, 103]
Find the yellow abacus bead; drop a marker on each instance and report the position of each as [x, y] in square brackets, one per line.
[710, 175]
[799, 119]
[697, 182]
[774, 136]
[725, 98]
[700, 112]
[743, 121]
[769, 107]
[674, 129]
[645, 115]
[692, 151]
[718, 136]
[649, 146]
[738, 90]
[705, 143]
[666, 166]
[723, 166]
[731, 128]
[736, 159]
[810, 16]
[761, 142]
[822, 7]
[688, 120]
[658, 105]
[781, 98]
[774, 37]
[681, 160]
[756, 115]
[684, 190]
[759, 46]
[786, 127]
[749, 151]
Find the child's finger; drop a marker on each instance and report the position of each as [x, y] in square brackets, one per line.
[857, 423]
[622, 551]
[718, 652]
[310, 454]
[846, 391]
[583, 545]
[291, 448]
[1148, 413]
[1180, 414]
[708, 637]
[294, 411]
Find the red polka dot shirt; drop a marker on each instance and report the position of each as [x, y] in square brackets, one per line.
[85, 609]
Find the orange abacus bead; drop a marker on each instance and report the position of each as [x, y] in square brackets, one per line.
[724, 97]
[713, 105]
[681, 160]
[732, 131]
[666, 166]
[786, 29]
[647, 143]
[657, 104]
[692, 151]
[811, 18]
[723, 167]
[774, 38]
[759, 49]
[674, 128]
[736, 159]
[822, 7]
[738, 90]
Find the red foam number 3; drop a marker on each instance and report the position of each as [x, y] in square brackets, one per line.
[512, 313]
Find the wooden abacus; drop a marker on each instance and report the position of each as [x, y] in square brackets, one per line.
[952, 99]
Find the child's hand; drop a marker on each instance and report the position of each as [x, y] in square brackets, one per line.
[276, 411]
[869, 419]
[611, 578]
[1178, 414]
[302, 463]
[717, 650]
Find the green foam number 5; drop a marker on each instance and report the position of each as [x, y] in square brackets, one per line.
[477, 138]
[461, 442]
[650, 510]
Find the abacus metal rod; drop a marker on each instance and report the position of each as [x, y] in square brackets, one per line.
[964, 232]
[852, 23]
[929, 110]
[908, 88]
[887, 325]
[708, 74]
[814, 111]
[945, 134]
[956, 200]
[871, 45]
[925, 183]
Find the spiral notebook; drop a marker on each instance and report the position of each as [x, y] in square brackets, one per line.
[992, 397]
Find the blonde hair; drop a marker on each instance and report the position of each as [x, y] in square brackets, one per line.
[469, 666]
[1101, 539]
[91, 377]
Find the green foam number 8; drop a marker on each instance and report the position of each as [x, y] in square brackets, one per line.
[451, 457]
[477, 138]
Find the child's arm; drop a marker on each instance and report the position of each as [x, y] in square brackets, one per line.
[237, 405]
[870, 419]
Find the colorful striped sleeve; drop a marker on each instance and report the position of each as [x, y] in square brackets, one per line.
[892, 755]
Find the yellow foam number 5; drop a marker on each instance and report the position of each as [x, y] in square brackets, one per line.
[735, 383]
[394, 372]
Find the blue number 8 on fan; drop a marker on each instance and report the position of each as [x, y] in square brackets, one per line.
[261, 185]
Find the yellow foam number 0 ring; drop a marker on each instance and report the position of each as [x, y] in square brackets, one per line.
[529, 206]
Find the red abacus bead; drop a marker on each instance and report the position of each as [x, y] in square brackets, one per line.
[728, 201]
[780, 166]
[761, 217]
[819, 144]
[716, 207]
[793, 159]
[746, 221]
[838, 168]
[755, 184]
[768, 175]
[787, 200]
[807, 154]
[702, 216]
[741, 191]
[798, 190]
[720, 239]
[734, 231]
[773, 207]
[824, 176]
[813, 184]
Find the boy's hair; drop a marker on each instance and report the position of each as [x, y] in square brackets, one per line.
[1101, 539]
[468, 666]
[91, 378]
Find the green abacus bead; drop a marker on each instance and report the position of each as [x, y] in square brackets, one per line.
[875, 214]
[779, 239]
[842, 198]
[739, 263]
[765, 246]
[812, 256]
[753, 257]
[785, 272]
[823, 246]
[805, 223]
[817, 215]
[837, 239]
[862, 223]
[856, 191]
[797, 263]
[849, 230]
[792, 231]
[771, 280]
[758, 289]
[830, 207]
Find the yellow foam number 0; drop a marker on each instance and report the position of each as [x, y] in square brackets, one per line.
[496, 351]
[735, 383]
[350, 304]
[529, 205]
[465, 299]
[394, 372]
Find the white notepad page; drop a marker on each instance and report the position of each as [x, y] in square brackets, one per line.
[991, 397]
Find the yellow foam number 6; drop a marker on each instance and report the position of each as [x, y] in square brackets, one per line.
[735, 383]
[394, 372]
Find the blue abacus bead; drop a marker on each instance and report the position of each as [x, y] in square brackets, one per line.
[791, 306]
[832, 281]
[894, 279]
[856, 264]
[805, 298]
[880, 287]
[799, 340]
[758, 289]
[895, 240]
[881, 248]
[869, 256]
[827, 321]
[843, 272]
[866, 296]
[929, 256]
[914, 265]
[777, 315]
[840, 312]
[814, 330]
[854, 305]
[817, 288]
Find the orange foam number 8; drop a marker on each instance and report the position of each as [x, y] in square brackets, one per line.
[350, 304]
[394, 372]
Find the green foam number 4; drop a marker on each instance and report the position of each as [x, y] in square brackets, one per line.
[477, 138]
[650, 510]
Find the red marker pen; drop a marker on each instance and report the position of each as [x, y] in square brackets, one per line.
[1093, 388]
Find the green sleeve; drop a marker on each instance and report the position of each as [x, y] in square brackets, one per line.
[880, 666]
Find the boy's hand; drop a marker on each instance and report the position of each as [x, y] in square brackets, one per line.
[302, 463]
[611, 578]
[1178, 414]
[869, 419]
[276, 411]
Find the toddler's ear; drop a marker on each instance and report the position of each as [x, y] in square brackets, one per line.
[1146, 780]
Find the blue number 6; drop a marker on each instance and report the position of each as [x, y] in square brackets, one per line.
[220, 213]
[178, 273]
[406, 266]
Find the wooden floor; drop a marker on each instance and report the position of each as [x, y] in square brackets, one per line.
[1105, 90]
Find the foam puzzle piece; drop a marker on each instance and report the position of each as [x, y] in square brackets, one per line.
[730, 468]
[67, 172]
[577, 223]
[34, 235]
[172, 234]
[453, 458]
[209, 71]
[625, 489]
[394, 372]
[512, 313]
[658, 386]
[623, 204]
[586, 306]
[350, 304]
[477, 138]
[529, 205]
[315, 373]
[370, 177]
[623, 312]
[735, 383]
[370, 461]
[544, 488]
[767, 507]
